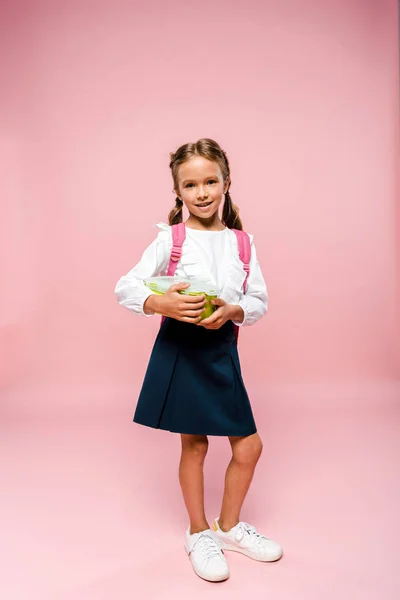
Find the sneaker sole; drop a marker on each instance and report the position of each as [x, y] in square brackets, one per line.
[251, 555]
[213, 579]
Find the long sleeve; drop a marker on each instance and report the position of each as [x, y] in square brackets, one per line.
[255, 301]
[130, 290]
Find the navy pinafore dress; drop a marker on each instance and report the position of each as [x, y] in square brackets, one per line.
[193, 382]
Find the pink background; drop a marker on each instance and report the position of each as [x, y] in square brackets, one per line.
[303, 96]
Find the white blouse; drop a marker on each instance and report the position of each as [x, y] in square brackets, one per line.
[212, 256]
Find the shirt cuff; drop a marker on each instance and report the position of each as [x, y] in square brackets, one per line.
[146, 294]
[242, 305]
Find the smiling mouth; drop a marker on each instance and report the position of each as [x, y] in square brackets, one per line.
[204, 204]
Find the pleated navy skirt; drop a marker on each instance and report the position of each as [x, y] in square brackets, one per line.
[193, 383]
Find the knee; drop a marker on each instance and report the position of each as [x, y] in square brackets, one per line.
[195, 445]
[249, 451]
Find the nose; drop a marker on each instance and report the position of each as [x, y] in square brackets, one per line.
[202, 193]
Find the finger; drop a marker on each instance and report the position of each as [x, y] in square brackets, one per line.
[209, 320]
[193, 313]
[212, 326]
[201, 322]
[192, 303]
[218, 301]
[194, 320]
[188, 308]
[181, 285]
[193, 299]
[214, 317]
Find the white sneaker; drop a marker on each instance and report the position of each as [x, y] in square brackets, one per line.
[244, 538]
[205, 553]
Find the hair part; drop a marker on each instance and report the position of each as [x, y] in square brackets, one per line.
[212, 151]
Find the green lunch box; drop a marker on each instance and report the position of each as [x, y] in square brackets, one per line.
[159, 285]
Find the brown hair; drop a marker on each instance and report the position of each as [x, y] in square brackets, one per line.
[210, 150]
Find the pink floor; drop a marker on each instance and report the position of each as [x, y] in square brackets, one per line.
[91, 507]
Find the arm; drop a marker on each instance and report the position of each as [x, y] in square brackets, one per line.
[254, 302]
[151, 305]
[130, 290]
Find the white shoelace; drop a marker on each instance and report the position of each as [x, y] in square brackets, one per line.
[208, 544]
[246, 528]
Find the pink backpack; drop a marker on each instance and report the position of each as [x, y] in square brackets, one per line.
[178, 237]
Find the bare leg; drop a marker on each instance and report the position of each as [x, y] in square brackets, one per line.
[245, 454]
[191, 478]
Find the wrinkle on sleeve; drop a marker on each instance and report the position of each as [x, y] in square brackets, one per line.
[255, 301]
[130, 290]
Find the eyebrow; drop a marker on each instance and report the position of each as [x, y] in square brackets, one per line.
[210, 177]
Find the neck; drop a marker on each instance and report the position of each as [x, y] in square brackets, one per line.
[213, 223]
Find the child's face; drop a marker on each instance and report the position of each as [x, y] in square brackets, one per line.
[201, 182]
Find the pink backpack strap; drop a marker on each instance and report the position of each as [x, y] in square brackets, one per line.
[178, 237]
[243, 240]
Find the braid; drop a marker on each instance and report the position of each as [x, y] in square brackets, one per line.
[230, 213]
[175, 216]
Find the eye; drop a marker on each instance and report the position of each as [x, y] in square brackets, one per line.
[209, 181]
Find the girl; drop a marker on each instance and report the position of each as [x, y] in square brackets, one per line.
[193, 383]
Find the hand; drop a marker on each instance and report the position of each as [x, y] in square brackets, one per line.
[224, 313]
[179, 306]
